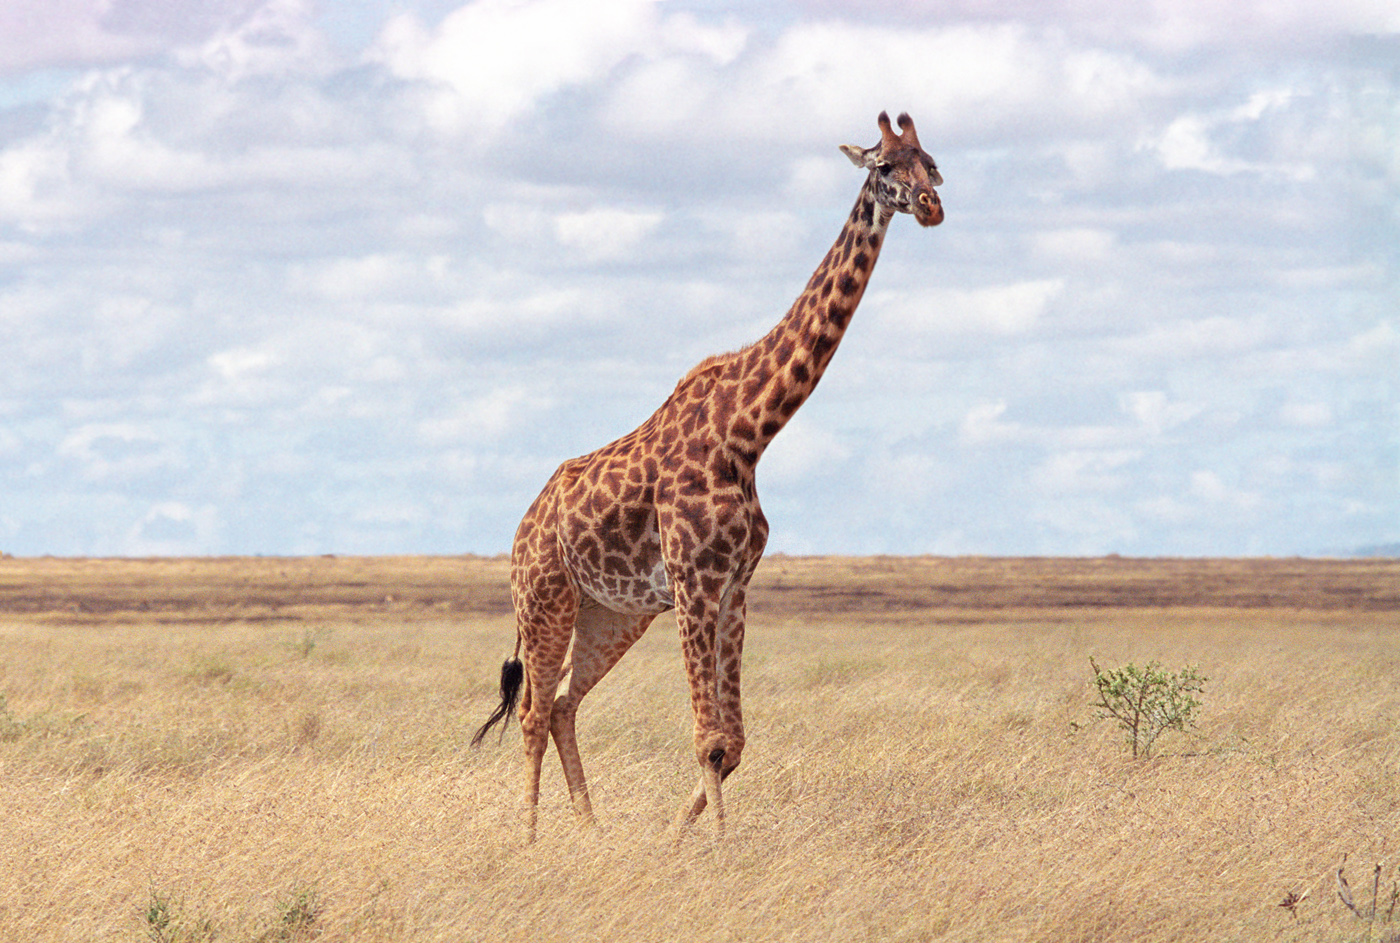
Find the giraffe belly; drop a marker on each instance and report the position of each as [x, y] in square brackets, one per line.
[647, 592]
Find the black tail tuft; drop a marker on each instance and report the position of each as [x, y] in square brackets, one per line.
[512, 674]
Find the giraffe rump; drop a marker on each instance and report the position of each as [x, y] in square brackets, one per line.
[512, 674]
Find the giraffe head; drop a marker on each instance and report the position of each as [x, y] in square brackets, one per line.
[904, 175]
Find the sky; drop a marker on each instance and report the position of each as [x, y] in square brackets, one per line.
[286, 277]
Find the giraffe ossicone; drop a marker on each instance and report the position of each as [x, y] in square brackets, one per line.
[667, 517]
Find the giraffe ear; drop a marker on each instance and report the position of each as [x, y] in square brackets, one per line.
[863, 157]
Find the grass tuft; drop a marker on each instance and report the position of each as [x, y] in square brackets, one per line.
[11, 727]
[164, 921]
[297, 917]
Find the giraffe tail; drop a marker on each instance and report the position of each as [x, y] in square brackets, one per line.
[512, 677]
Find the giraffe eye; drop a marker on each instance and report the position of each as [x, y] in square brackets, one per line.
[884, 167]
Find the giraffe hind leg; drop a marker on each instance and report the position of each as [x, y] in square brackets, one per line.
[546, 641]
[601, 638]
[534, 729]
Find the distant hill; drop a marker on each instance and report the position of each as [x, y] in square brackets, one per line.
[1378, 550]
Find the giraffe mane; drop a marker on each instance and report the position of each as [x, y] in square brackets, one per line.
[712, 363]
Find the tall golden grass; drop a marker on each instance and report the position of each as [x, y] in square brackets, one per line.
[917, 768]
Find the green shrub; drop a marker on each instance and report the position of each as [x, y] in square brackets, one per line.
[1147, 701]
[297, 916]
[11, 727]
[166, 922]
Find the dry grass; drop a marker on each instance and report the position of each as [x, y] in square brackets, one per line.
[917, 769]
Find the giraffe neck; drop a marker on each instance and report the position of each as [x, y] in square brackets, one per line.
[782, 369]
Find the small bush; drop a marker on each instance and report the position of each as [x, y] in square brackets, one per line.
[210, 671]
[11, 727]
[307, 643]
[158, 917]
[297, 917]
[1147, 701]
[165, 922]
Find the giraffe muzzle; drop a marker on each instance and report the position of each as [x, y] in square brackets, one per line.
[928, 209]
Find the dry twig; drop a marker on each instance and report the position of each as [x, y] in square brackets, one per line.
[1343, 888]
[1291, 900]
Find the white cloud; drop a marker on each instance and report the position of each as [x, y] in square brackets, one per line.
[1002, 310]
[40, 33]
[1186, 145]
[173, 528]
[1190, 24]
[799, 451]
[1165, 509]
[755, 237]
[237, 364]
[367, 277]
[120, 136]
[490, 61]
[1306, 415]
[605, 233]
[518, 224]
[35, 185]
[118, 451]
[983, 425]
[916, 476]
[961, 83]
[817, 179]
[391, 513]
[1209, 337]
[1155, 412]
[1099, 471]
[1081, 245]
[16, 252]
[1178, 28]
[520, 311]
[1079, 527]
[485, 417]
[277, 37]
[1192, 141]
[1209, 487]
[115, 148]
[683, 33]
[1375, 345]
[245, 377]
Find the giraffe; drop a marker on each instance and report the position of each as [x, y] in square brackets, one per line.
[667, 517]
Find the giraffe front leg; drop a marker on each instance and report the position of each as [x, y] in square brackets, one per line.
[717, 766]
[728, 665]
[692, 809]
[707, 793]
[712, 662]
[697, 617]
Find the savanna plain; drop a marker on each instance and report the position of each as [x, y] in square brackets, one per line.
[277, 749]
